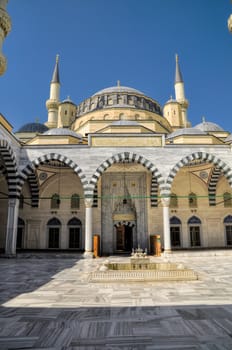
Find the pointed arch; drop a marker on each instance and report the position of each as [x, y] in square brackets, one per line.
[228, 219]
[174, 220]
[9, 168]
[74, 221]
[54, 222]
[29, 169]
[210, 158]
[194, 220]
[128, 157]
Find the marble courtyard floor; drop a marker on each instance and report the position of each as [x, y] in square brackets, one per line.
[48, 303]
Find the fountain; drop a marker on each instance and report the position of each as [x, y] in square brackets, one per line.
[140, 268]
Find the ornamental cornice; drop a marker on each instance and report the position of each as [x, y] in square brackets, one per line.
[5, 22]
[52, 104]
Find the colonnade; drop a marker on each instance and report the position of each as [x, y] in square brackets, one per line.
[12, 225]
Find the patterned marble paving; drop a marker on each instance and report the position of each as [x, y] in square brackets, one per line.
[49, 304]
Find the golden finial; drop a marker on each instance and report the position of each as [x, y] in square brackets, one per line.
[57, 58]
[177, 57]
[118, 83]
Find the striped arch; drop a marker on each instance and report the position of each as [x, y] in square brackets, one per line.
[27, 172]
[128, 157]
[9, 168]
[34, 188]
[225, 169]
[213, 185]
[154, 192]
[95, 197]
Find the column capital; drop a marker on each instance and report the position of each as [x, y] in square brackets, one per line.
[88, 202]
[165, 201]
[12, 201]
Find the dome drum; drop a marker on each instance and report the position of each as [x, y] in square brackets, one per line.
[118, 97]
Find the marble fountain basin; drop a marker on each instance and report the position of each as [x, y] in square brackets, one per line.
[141, 269]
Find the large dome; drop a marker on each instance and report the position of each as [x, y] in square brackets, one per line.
[62, 132]
[33, 127]
[118, 89]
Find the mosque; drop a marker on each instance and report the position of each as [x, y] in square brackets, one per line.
[118, 165]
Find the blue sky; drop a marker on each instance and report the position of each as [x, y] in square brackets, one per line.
[134, 41]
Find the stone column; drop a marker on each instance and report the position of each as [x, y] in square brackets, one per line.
[12, 226]
[88, 228]
[166, 223]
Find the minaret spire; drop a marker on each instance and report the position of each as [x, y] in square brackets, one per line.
[180, 93]
[53, 103]
[178, 77]
[56, 76]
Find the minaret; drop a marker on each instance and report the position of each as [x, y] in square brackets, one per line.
[180, 94]
[5, 27]
[53, 103]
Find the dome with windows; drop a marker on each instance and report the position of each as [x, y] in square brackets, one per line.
[119, 97]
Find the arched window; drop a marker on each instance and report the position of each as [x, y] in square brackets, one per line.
[54, 226]
[175, 229]
[192, 198]
[227, 199]
[228, 229]
[75, 201]
[55, 201]
[194, 224]
[20, 233]
[74, 225]
[21, 201]
[173, 201]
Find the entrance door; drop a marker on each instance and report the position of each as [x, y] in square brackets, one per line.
[124, 238]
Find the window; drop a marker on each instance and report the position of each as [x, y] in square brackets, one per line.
[74, 233]
[194, 230]
[75, 201]
[173, 201]
[175, 227]
[55, 201]
[54, 233]
[227, 199]
[192, 200]
[228, 229]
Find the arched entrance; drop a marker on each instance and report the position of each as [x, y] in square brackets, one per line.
[124, 238]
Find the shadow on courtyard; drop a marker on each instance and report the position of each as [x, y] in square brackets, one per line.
[130, 328]
[27, 273]
[72, 314]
